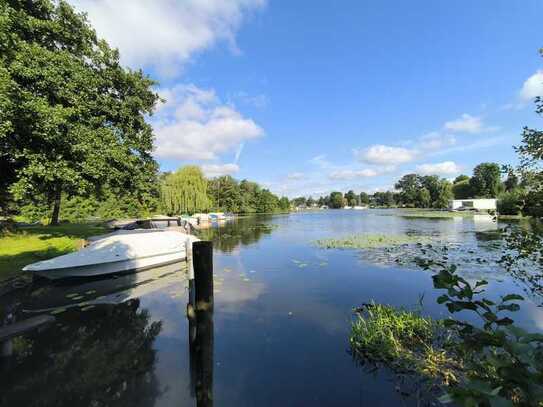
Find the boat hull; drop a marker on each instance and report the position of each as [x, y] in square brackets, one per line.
[119, 252]
[123, 266]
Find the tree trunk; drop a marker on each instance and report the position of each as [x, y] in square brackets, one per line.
[56, 206]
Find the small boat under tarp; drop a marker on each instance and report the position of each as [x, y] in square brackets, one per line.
[117, 253]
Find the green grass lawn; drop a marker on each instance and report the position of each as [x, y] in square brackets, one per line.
[30, 244]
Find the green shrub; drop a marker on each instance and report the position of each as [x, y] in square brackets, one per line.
[511, 202]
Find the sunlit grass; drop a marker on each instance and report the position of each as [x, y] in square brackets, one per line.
[30, 244]
[404, 341]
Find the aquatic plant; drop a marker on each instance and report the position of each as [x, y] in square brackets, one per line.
[487, 362]
[404, 341]
[367, 241]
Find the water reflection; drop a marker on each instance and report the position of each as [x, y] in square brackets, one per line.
[101, 357]
[201, 356]
[241, 231]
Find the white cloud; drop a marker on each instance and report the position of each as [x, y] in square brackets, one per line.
[436, 141]
[385, 155]
[353, 174]
[214, 170]
[443, 168]
[532, 87]
[295, 176]
[166, 33]
[321, 161]
[194, 125]
[466, 124]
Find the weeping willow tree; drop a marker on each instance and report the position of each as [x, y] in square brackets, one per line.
[184, 191]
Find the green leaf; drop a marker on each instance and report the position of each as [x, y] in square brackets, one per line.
[509, 307]
[442, 299]
[512, 297]
[505, 321]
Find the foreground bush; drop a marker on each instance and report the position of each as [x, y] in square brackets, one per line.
[490, 363]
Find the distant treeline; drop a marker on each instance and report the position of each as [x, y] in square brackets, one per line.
[517, 191]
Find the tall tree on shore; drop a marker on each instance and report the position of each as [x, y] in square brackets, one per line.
[461, 188]
[185, 191]
[440, 191]
[336, 200]
[409, 185]
[351, 198]
[73, 119]
[486, 180]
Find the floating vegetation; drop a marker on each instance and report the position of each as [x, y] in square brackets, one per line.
[370, 241]
[432, 214]
[404, 341]
[57, 311]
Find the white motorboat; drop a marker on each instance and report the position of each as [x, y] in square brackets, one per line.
[117, 253]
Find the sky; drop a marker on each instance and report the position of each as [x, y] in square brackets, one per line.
[307, 97]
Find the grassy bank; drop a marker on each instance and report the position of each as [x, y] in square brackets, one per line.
[430, 213]
[30, 244]
[438, 214]
[369, 241]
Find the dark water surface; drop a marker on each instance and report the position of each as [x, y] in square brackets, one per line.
[280, 328]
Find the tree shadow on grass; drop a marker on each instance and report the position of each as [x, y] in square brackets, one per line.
[11, 265]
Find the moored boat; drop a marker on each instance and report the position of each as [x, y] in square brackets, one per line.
[117, 253]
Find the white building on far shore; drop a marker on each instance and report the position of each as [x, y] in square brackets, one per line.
[472, 204]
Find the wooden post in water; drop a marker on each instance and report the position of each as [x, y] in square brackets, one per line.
[203, 274]
[200, 315]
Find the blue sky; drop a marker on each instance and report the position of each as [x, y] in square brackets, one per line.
[307, 97]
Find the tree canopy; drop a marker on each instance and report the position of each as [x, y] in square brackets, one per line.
[72, 118]
[486, 180]
[185, 191]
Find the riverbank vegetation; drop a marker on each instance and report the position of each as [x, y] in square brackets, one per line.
[27, 245]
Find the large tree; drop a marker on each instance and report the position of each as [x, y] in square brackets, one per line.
[462, 189]
[351, 198]
[225, 193]
[185, 191]
[72, 118]
[336, 200]
[486, 180]
[440, 191]
[409, 186]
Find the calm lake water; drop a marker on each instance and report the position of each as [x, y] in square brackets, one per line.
[279, 332]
